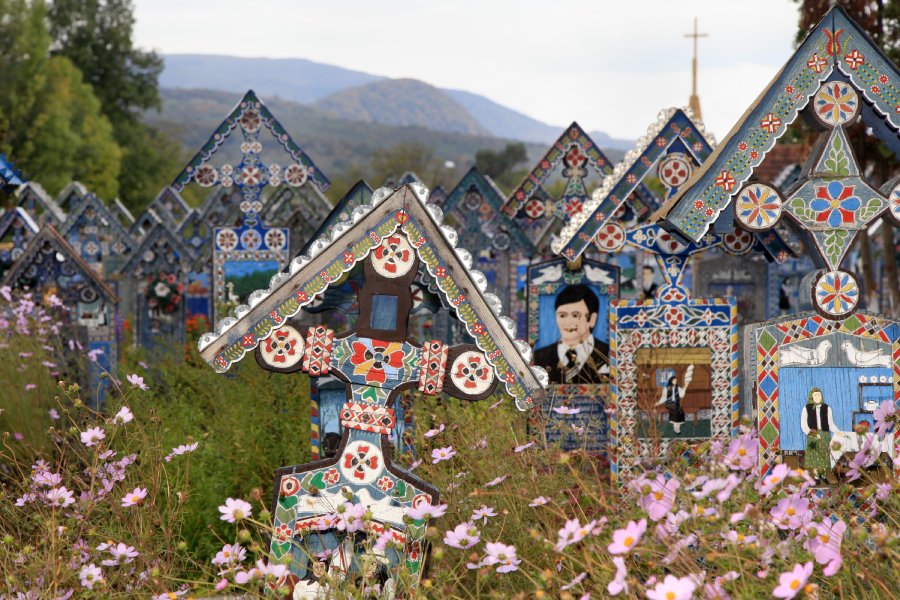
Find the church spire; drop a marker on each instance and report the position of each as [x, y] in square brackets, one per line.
[694, 102]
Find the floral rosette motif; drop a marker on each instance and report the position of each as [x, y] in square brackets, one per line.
[471, 372]
[164, 293]
[393, 258]
[376, 360]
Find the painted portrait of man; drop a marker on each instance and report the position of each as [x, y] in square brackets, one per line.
[577, 357]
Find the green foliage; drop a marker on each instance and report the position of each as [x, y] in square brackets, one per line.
[499, 165]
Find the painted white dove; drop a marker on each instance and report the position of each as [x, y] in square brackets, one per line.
[810, 357]
[865, 358]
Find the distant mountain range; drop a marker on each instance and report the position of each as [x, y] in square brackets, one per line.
[356, 96]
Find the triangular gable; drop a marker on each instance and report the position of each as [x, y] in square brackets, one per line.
[159, 248]
[9, 218]
[310, 200]
[9, 176]
[195, 234]
[91, 221]
[71, 195]
[359, 195]
[456, 208]
[40, 267]
[437, 196]
[403, 210]
[33, 198]
[250, 114]
[144, 224]
[121, 212]
[17, 229]
[674, 129]
[170, 206]
[835, 45]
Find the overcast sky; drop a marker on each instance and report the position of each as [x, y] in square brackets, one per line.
[608, 65]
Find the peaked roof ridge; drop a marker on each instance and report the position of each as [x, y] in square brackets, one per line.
[360, 188]
[223, 131]
[6, 220]
[159, 229]
[836, 44]
[260, 301]
[663, 118]
[573, 132]
[91, 199]
[49, 233]
[9, 174]
[43, 197]
[474, 173]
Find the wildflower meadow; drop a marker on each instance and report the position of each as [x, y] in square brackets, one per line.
[165, 491]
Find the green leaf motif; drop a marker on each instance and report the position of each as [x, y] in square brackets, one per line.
[835, 242]
[870, 209]
[283, 515]
[801, 210]
[837, 163]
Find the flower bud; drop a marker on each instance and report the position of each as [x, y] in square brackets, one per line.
[244, 535]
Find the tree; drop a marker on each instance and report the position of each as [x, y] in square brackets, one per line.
[499, 165]
[97, 36]
[51, 124]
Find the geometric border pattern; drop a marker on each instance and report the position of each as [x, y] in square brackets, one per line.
[626, 449]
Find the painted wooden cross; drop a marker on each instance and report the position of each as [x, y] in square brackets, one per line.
[376, 361]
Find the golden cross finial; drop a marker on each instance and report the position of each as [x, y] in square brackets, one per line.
[695, 99]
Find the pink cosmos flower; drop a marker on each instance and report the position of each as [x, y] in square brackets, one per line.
[433, 432]
[775, 477]
[235, 509]
[618, 584]
[95, 354]
[566, 410]
[626, 539]
[885, 416]
[222, 584]
[742, 453]
[30, 386]
[722, 487]
[791, 512]
[573, 532]
[539, 501]
[182, 449]
[230, 554]
[426, 510]
[825, 545]
[54, 414]
[439, 454]
[483, 513]
[60, 497]
[523, 447]
[496, 481]
[92, 436]
[47, 478]
[137, 381]
[464, 535]
[673, 588]
[121, 554]
[578, 579]
[657, 495]
[89, 575]
[739, 538]
[135, 497]
[502, 555]
[792, 582]
[123, 416]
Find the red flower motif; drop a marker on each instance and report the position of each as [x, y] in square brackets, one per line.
[478, 329]
[854, 59]
[876, 89]
[348, 258]
[301, 296]
[385, 483]
[789, 89]
[709, 212]
[440, 272]
[283, 532]
[883, 79]
[281, 345]
[392, 253]
[754, 154]
[698, 204]
[742, 146]
[331, 476]
[472, 371]
[674, 316]
[374, 359]
[361, 461]
[247, 340]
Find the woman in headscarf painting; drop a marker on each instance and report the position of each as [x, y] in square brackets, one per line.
[672, 395]
[817, 423]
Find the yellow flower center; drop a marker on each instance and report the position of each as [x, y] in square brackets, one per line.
[628, 541]
[742, 451]
[795, 584]
[670, 595]
[835, 203]
[791, 511]
[824, 539]
[740, 537]
[774, 479]
[657, 496]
